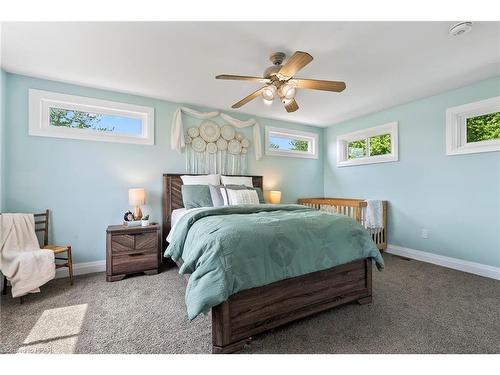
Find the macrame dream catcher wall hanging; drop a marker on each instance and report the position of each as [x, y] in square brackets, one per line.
[211, 148]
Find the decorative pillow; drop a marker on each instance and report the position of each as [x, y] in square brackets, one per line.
[260, 194]
[195, 196]
[245, 196]
[217, 193]
[234, 180]
[203, 179]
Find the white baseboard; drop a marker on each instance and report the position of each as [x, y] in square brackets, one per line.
[454, 263]
[82, 268]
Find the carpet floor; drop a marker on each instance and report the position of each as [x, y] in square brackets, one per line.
[417, 308]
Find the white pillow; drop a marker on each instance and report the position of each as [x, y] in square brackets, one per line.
[205, 179]
[224, 196]
[233, 180]
[242, 197]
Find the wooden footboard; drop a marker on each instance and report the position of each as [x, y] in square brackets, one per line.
[353, 208]
[256, 310]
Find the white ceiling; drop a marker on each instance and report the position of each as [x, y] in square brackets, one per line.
[383, 63]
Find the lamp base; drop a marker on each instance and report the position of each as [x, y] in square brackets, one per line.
[137, 213]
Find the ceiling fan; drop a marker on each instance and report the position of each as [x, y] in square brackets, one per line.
[280, 82]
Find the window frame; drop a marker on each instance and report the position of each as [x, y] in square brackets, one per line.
[344, 139]
[456, 127]
[41, 101]
[296, 134]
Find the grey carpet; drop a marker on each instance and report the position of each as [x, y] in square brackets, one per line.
[417, 308]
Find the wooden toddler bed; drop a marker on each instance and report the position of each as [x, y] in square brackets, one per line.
[353, 208]
[253, 311]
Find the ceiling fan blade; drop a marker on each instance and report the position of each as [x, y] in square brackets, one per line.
[248, 98]
[243, 78]
[291, 106]
[316, 84]
[296, 62]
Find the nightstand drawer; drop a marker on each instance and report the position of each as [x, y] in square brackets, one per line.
[146, 240]
[122, 243]
[131, 243]
[137, 262]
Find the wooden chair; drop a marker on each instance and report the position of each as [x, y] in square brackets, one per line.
[42, 226]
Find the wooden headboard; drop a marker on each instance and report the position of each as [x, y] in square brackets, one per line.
[172, 197]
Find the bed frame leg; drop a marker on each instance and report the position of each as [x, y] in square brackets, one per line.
[365, 300]
[231, 348]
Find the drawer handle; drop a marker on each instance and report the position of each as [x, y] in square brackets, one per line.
[136, 254]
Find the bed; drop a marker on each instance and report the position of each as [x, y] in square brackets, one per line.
[254, 310]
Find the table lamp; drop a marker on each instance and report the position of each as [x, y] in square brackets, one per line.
[275, 196]
[136, 198]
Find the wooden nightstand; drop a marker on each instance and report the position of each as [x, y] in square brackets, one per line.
[132, 250]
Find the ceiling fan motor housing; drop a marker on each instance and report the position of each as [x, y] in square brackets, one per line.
[277, 59]
[271, 71]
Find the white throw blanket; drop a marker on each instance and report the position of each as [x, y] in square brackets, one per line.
[25, 265]
[373, 214]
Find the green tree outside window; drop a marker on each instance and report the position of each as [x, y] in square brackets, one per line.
[483, 128]
[76, 120]
[298, 145]
[380, 145]
[356, 149]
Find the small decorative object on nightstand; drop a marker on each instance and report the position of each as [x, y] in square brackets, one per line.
[132, 250]
[145, 221]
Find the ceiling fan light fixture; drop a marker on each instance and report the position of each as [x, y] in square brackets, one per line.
[269, 92]
[267, 102]
[287, 91]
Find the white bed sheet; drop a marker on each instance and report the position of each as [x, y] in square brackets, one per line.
[176, 216]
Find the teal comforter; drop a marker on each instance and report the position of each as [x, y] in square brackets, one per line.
[233, 248]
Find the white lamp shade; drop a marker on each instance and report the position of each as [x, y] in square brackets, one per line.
[275, 196]
[136, 197]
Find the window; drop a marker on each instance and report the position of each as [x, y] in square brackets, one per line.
[68, 116]
[473, 127]
[287, 142]
[374, 145]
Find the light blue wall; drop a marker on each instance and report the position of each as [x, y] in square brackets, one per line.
[85, 183]
[457, 198]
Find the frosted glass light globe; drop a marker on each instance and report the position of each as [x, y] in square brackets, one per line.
[267, 102]
[269, 92]
[288, 91]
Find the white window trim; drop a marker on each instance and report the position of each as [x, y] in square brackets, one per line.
[305, 136]
[456, 120]
[41, 101]
[343, 140]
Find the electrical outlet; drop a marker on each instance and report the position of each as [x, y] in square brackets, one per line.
[425, 233]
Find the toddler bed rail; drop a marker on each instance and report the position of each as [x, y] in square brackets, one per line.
[353, 208]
